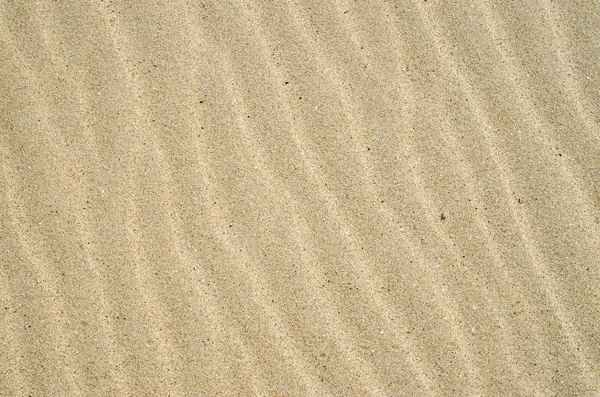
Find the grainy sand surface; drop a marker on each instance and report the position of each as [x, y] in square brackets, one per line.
[299, 198]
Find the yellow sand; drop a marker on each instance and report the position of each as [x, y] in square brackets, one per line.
[299, 198]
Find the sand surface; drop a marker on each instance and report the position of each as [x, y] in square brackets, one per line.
[299, 198]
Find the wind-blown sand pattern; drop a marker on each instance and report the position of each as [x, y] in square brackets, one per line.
[337, 198]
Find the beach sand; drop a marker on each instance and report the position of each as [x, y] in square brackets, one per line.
[299, 198]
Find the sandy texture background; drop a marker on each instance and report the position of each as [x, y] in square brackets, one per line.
[299, 198]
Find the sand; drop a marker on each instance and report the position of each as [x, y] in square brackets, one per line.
[299, 198]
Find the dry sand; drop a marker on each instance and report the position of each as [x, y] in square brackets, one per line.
[269, 198]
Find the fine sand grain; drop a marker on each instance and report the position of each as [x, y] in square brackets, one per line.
[299, 198]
